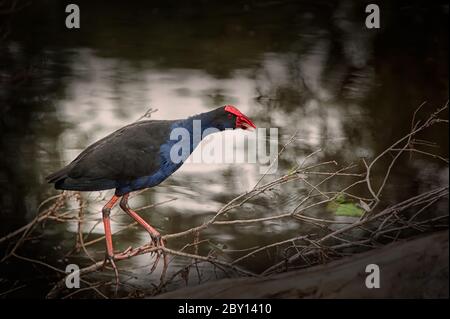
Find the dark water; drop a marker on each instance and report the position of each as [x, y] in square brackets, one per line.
[308, 66]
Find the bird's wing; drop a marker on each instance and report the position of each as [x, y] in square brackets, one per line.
[129, 153]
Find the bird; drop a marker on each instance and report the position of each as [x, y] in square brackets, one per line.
[139, 156]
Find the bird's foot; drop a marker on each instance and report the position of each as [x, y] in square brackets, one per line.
[158, 242]
[110, 260]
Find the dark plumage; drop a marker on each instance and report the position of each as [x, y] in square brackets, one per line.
[124, 155]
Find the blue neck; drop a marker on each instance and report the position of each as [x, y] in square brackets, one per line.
[200, 126]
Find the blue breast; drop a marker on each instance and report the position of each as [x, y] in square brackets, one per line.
[167, 165]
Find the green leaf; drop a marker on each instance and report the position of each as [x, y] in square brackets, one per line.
[340, 199]
[348, 209]
[343, 207]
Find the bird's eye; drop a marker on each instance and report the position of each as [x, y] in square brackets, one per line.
[230, 116]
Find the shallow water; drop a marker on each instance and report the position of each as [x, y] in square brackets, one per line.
[307, 67]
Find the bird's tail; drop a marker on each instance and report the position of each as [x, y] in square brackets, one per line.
[58, 175]
[62, 180]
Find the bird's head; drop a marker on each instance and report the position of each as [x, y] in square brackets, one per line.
[237, 118]
[229, 117]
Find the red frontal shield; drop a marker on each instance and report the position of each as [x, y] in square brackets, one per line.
[242, 121]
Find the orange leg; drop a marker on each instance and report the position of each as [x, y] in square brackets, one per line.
[152, 231]
[106, 222]
[155, 235]
[109, 244]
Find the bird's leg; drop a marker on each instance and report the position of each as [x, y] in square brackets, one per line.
[106, 211]
[154, 234]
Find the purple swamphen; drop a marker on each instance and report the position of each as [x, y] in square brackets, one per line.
[135, 157]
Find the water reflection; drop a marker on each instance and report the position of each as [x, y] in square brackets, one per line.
[311, 68]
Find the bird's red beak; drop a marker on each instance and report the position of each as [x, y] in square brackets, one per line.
[242, 121]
